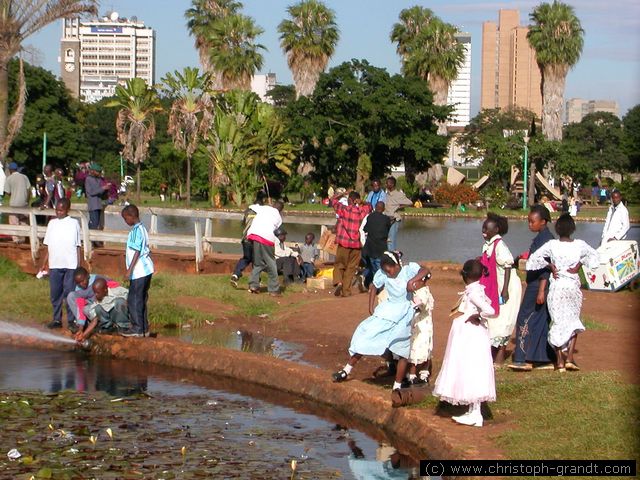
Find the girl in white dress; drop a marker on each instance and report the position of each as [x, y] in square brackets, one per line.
[466, 376]
[421, 335]
[566, 257]
[497, 257]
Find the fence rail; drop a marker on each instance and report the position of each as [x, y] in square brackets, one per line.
[200, 242]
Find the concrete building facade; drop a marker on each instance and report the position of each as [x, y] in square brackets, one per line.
[510, 74]
[578, 108]
[460, 89]
[97, 55]
[262, 84]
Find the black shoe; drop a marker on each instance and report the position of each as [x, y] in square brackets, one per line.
[406, 383]
[340, 376]
[129, 333]
[54, 324]
[418, 382]
[234, 280]
[338, 291]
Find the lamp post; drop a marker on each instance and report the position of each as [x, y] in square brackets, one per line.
[525, 178]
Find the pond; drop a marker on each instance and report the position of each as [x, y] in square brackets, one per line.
[432, 238]
[71, 415]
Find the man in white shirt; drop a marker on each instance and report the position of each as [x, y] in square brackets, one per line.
[62, 239]
[18, 186]
[287, 259]
[617, 224]
[261, 233]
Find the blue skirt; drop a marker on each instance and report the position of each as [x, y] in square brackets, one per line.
[388, 328]
[532, 329]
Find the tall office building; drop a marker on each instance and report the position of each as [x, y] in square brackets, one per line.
[97, 55]
[577, 108]
[460, 89]
[510, 73]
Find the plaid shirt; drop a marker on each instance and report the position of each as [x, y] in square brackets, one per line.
[349, 219]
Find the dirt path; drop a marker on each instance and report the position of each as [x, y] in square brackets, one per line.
[324, 325]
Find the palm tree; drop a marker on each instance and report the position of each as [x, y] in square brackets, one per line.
[19, 20]
[135, 123]
[429, 50]
[191, 112]
[234, 52]
[557, 37]
[200, 18]
[309, 40]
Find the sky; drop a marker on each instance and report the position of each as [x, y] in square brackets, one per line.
[608, 69]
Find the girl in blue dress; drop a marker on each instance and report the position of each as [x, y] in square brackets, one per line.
[389, 326]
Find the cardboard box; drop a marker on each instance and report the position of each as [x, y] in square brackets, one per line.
[619, 264]
[320, 283]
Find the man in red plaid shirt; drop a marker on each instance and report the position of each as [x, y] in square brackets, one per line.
[350, 217]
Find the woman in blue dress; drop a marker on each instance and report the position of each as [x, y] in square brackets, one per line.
[389, 326]
[532, 327]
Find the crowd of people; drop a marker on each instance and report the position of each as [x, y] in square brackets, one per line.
[546, 320]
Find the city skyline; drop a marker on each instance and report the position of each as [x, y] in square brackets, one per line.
[610, 61]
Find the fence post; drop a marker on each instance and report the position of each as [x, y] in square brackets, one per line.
[208, 233]
[199, 254]
[153, 226]
[34, 241]
[86, 237]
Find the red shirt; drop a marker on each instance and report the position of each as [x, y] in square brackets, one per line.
[349, 219]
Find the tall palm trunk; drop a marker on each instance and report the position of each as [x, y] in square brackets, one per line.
[4, 104]
[138, 182]
[188, 181]
[553, 82]
[305, 77]
[440, 89]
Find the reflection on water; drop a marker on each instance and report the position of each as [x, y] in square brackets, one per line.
[432, 238]
[242, 340]
[291, 434]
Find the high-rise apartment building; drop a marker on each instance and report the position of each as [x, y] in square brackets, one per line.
[97, 55]
[460, 89]
[510, 73]
[578, 108]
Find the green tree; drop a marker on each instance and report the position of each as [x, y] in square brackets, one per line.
[598, 140]
[234, 53]
[309, 39]
[191, 113]
[557, 38]
[430, 50]
[202, 15]
[135, 123]
[282, 95]
[495, 137]
[246, 138]
[359, 109]
[631, 139]
[18, 21]
[50, 109]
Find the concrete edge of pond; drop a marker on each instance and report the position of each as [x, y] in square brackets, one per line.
[364, 403]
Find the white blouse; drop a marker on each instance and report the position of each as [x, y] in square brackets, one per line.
[564, 255]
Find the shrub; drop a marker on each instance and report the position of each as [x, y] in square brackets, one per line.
[630, 190]
[455, 194]
[409, 189]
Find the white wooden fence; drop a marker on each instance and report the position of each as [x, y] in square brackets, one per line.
[201, 241]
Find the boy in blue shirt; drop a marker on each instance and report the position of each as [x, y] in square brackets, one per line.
[139, 272]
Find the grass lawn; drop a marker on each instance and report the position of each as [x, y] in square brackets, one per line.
[24, 298]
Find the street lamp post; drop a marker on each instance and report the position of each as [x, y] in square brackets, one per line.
[525, 178]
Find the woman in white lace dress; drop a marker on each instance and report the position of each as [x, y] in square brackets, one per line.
[565, 256]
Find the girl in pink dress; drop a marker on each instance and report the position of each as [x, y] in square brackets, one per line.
[466, 376]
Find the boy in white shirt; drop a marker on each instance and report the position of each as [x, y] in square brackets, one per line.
[287, 259]
[62, 239]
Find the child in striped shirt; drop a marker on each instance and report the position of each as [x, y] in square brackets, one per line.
[139, 272]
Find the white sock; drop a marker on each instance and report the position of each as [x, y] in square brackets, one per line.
[412, 377]
[424, 375]
[396, 385]
[347, 368]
